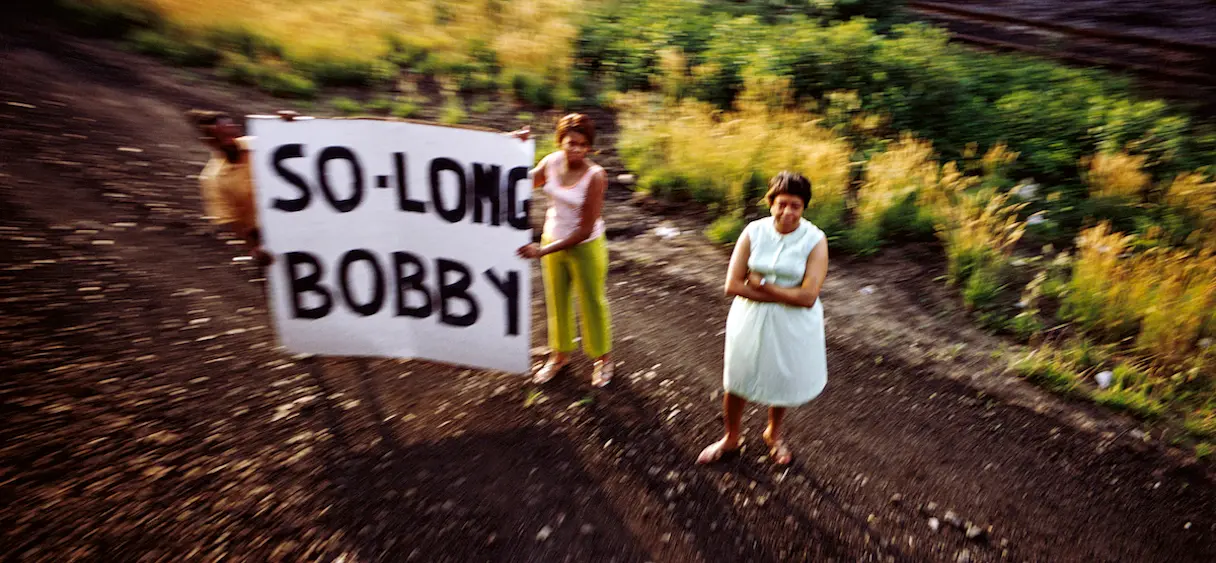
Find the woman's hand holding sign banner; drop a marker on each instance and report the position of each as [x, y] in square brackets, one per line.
[396, 239]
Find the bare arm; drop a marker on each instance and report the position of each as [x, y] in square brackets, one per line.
[736, 274]
[593, 206]
[538, 173]
[806, 294]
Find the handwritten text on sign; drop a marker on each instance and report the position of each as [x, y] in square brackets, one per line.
[396, 239]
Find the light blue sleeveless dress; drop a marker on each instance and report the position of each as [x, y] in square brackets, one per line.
[775, 353]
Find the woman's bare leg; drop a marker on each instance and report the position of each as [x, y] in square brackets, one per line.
[772, 436]
[732, 418]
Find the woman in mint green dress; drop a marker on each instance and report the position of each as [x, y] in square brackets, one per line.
[775, 352]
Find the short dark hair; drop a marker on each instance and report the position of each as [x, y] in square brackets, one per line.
[576, 123]
[792, 183]
[201, 118]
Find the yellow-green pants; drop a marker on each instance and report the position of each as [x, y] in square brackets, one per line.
[585, 267]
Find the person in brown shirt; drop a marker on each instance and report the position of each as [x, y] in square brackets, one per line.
[227, 179]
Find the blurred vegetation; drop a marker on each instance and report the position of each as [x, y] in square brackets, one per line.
[291, 49]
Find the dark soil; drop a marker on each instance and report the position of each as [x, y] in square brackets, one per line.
[1184, 20]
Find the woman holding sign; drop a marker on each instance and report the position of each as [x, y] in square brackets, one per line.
[775, 353]
[573, 253]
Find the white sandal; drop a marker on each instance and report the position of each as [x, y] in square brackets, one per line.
[602, 374]
[548, 371]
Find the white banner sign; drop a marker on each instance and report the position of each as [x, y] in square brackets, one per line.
[396, 239]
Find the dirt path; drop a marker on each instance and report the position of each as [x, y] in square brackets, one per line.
[149, 416]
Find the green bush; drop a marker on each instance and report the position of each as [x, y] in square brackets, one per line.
[111, 19]
[1201, 424]
[406, 110]
[1026, 326]
[962, 264]
[475, 82]
[379, 105]
[1147, 127]
[480, 72]
[484, 56]
[432, 65]
[286, 84]
[1087, 355]
[182, 50]
[830, 218]
[481, 106]
[984, 287]
[273, 80]
[453, 112]
[1137, 403]
[719, 77]
[238, 69]
[1044, 368]
[347, 72]
[863, 239]
[664, 183]
[531, 89]
[402, 53]
[565, 97]
[907, 222]
[726, 229]
[1131, 391]
[151, 42]
[241, 40]
[347, 106]
[620, 40]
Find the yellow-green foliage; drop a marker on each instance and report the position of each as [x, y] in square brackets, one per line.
[997, 160]
[979, 230]
[691, 148]
[906, 192]
[673, 78]
[1164, 298]
[1118, 175]
[891, 178]
[453, 111]
[1202, 423]
[1135, 390]
[1157, 310]
[1175, 212]
[1194, 194]
[1049, 368]
[1096, 299]
[528, 35]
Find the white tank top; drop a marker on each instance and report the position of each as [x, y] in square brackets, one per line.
[566, 202]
